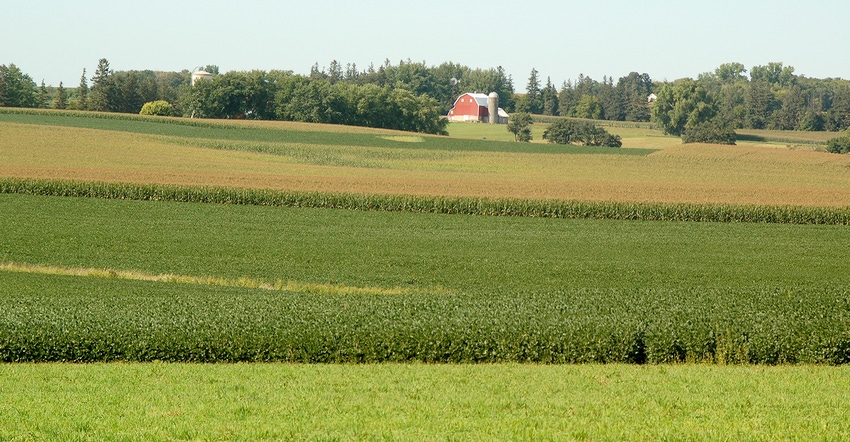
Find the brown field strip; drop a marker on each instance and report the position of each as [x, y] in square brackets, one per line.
[279, 285]
[677, 173]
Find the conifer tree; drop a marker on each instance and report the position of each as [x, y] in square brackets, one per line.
[533, 93]
[102, 89]
[42, 95]
[83, 91]
[61, 97]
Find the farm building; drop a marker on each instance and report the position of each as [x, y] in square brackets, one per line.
[478, 108]
[200, 75]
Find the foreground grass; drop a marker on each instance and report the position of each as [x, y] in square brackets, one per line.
[422, 402]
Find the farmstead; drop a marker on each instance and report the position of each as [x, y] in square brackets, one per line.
[478, 108]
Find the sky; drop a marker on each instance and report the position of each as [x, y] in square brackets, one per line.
[54, 40]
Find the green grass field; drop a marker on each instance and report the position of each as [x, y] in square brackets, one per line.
[107, 402]
[90, 279]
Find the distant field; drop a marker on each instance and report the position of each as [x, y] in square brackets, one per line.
[633, 137]
[790, 138]
[497, 132]
[280, 156]
[642, 135]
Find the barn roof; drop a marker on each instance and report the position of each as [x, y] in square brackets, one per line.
[481, 99]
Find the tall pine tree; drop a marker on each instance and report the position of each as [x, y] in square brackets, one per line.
[102, 90]
[83, 92]
[61, 97]
[533, 93]
[42, 95]
[549, 97]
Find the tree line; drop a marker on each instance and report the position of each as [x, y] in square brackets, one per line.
[413, 96]
[280, 95]
[772, 97]
[409, 96]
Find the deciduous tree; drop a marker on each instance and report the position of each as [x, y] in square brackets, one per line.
[730, 72]
[839, 145]
[580, 132]
[774, 74]
[682, 104]
[518, 124]
[160, 107]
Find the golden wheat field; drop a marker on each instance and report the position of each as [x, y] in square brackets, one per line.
[749, 173]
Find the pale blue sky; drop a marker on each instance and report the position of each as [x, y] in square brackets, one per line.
[55, 40]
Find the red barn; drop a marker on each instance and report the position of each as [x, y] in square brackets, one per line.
[475, 108]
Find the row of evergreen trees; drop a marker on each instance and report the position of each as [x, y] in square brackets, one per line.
[587, 98]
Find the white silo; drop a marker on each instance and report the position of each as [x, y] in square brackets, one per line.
[493, 107]
[200, 75]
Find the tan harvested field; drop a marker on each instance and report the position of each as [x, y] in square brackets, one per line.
[745, 174]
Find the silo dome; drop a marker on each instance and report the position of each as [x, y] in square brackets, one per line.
[200, 75]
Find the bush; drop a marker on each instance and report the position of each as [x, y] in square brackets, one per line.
[839, 145]
[580, 132]
[161, 108]
[713, 131]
